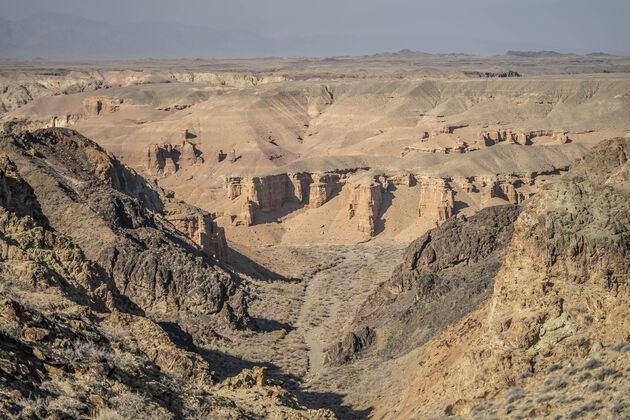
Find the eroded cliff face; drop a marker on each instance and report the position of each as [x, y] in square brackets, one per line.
[365, 206]
[436, 199]
[94, 106]
[445, 273]
[86, 194]
[73, 346]
[562, 294]
[490, 138]
[167, 159]
[364, 191]
[200, 227]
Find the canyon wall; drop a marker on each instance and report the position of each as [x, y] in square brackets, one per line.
[363, 191]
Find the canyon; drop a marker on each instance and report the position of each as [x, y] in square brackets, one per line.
[402, 235]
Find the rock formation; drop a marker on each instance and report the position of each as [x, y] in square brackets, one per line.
[436, 199]
[436, 284]
[271, 192]
[350, 347]
[505, 189]
[560, 296]
[163, 272]
[365, 206]
[167, 159]
[73, 346]
[96, 105]
[201, 228]
[489, 138]
[322, 188]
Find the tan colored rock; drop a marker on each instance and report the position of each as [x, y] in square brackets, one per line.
[167, 159]
[35, 334]
[300, 184]
[562, 295]
[436, 199]
[505, 190]
[97, 105]
[268, 193]
[490, 138]
[202, 229]
[322, 188]
[365, 206]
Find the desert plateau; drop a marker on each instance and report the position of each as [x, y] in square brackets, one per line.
[393, 235]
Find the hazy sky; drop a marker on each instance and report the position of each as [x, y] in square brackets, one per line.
[472, 26]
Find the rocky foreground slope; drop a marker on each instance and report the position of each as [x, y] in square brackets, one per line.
[75, 341]
[550, 338]
[160, 253]
[445, 273]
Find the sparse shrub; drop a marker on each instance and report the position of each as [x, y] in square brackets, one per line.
[597, 386]
[604, 373]
[592, 364]
[515, 394]
[553, 368]
[114, 334]
[89, 352]
[33, 408]
[584, 376]
[130, 405]
[67, 405]
[571, 370]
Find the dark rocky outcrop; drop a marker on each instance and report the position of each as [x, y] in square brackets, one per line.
[350, 347]
[120, 221]
[445, 273]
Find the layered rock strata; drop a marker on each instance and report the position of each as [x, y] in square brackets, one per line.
[94, 106]
[489, 138]
[365, 206]
[436, 199]
[167, 159]
[73, 346]
[364, 191]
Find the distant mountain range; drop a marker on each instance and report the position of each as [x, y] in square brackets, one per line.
[55, 36]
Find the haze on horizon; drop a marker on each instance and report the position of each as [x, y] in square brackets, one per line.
[89, 29]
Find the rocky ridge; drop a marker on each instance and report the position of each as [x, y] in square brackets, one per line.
[132, 230]
[560, 296]
[74, 347]
[436, 284]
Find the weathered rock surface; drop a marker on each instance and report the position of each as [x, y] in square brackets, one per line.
[562, 294]
[444, 275]
[490, 138]
[167, 159]
[94, 106]
[72, 346]
[365, 206]
[122, 223]
[436, 199]
[350, 347]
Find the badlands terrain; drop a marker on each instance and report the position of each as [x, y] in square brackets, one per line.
[403, 235]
